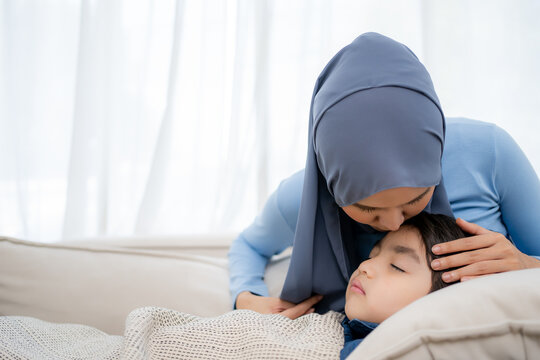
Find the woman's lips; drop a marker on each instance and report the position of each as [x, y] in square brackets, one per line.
[356, 286]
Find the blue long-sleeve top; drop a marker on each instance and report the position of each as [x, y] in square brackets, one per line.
[488, 180]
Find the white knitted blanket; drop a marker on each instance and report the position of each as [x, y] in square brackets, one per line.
[157, 333]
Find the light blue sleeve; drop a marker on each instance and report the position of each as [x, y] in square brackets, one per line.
[271, 232]
[519, 194]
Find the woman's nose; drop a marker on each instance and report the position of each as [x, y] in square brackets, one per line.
[392, 220]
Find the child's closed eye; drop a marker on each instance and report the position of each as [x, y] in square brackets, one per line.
[396, 268]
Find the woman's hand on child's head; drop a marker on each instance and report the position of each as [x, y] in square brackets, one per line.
[271, 305]
[485, 252]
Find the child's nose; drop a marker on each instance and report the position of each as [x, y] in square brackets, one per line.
[367, 267]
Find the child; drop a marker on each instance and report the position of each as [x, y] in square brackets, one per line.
[396, 273]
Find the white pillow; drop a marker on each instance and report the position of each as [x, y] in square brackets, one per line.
[492, 317]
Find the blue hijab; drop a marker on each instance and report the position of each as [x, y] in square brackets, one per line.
[375, 124]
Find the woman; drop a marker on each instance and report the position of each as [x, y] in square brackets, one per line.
[375, 159]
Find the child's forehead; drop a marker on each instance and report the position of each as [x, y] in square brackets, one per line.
[406, 234]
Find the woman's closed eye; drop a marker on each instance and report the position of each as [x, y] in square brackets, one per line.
[370, 210]
[414, 201]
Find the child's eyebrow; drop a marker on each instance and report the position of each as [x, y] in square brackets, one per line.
[399, 249]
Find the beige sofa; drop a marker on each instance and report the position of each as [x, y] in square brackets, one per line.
[99, 282]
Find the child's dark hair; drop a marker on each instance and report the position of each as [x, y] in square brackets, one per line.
[435, 229]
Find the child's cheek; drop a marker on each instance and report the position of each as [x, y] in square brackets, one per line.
[391, 290]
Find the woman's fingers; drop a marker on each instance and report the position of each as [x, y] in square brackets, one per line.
[501, 257]
[486, 252]
[481, 238]
[475, 270]
[465, 244]
[464, 258]
[305, 307]
[262, 304]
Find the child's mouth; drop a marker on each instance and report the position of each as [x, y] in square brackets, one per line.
[356, 286]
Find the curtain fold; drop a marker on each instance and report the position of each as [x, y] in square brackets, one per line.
[154, 180]
[172, 117]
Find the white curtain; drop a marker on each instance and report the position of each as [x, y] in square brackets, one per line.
[164, 117]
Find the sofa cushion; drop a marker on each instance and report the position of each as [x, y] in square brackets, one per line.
[99, 285]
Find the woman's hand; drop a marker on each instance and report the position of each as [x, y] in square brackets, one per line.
[270, 305]
[485, 252]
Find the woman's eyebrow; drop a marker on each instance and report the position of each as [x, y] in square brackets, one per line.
[364, 207]
[400, 249]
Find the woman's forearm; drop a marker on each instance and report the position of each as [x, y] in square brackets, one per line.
[246, 269]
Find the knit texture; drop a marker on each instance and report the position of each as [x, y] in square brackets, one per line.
[158, 333]
[24, 337]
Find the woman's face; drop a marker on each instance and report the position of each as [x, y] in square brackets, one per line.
[388, 209]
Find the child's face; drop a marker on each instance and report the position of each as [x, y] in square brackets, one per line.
[378, 289]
